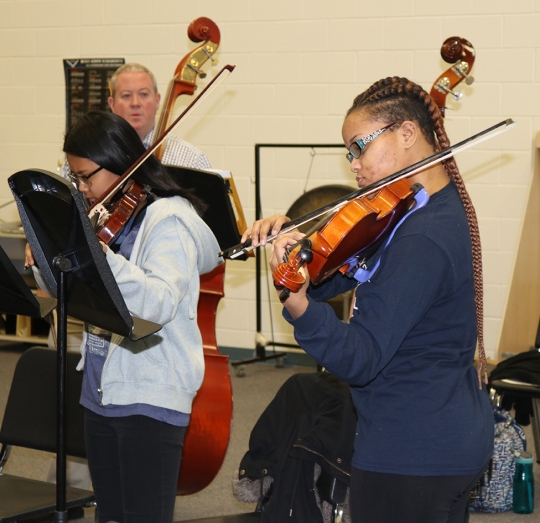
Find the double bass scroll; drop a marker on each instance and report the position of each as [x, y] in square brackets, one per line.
[459, 52]
[184, 80]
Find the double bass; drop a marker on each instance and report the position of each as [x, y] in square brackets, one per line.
[209, 430]
[207, 436]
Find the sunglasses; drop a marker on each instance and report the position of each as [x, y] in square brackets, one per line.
[85, 180]
[357, 148]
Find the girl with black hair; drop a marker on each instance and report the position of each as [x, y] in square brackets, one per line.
[138, 395]
[425, 426]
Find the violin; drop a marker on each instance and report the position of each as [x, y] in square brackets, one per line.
[242, 249]
[461, 54]
[132, 199]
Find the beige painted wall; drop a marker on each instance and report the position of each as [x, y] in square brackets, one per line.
[299, 65]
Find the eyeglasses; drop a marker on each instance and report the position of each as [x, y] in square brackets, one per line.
[357, 148]
[77, 180]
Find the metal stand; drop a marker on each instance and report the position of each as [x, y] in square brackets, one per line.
[63, 265]
[74, 267]
[261, 342]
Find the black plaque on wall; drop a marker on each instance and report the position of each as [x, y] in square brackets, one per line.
[87, 85]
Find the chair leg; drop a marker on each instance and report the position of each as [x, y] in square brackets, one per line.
[536, 427]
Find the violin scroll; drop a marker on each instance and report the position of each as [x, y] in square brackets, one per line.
[287, 275]
[460, 52]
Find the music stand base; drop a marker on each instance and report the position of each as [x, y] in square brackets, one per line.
[262, 356]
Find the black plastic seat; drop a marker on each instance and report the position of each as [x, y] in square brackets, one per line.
[30, 422]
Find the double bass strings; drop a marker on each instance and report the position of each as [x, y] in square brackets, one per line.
[426, 163]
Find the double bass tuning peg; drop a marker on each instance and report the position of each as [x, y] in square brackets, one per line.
[209, 53]
[461, 69]
[443, 86]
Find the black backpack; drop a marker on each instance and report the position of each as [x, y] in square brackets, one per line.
[521, 367]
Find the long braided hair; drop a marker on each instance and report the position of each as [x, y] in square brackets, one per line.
[395, 99]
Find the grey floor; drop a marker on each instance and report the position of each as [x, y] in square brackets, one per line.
[251, 394]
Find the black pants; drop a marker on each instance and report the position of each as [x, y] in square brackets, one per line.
[388, 498]
[134, 463]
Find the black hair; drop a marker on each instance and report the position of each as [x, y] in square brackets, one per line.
[112, 143]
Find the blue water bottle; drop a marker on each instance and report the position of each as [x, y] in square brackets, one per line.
[523, 500]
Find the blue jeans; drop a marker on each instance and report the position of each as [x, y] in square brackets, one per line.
[134, 463]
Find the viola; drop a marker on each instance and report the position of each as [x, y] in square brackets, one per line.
[459, 52]
[355, 230]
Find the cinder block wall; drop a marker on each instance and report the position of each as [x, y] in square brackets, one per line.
[299, 66]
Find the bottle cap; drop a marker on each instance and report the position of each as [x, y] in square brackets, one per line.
[524, 457]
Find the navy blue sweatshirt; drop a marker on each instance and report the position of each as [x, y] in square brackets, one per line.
[407, 352]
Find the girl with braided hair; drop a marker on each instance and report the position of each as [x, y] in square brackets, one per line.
[425, 426]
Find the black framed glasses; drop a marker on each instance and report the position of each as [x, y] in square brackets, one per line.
[357, 148]
[85, 180]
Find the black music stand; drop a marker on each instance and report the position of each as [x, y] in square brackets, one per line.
[16, 297]
[74, 267]
[214, 190]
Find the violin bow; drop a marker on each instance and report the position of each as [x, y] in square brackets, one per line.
[99, 207]
[426, 163]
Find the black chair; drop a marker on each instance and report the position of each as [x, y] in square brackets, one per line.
[334, 492]
[30, 422]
